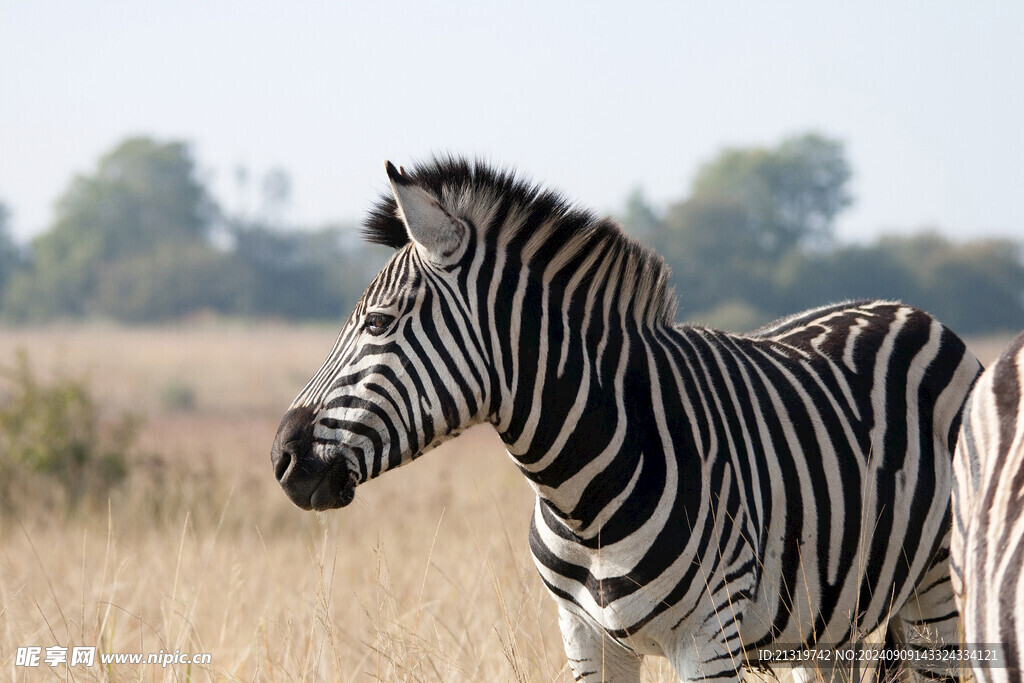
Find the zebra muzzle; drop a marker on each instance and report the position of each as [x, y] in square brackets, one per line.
[310, 482]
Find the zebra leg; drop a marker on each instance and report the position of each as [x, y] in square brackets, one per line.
[708, 645]
[930, 620]
[709, 656]
[593, 654]
[712, 650]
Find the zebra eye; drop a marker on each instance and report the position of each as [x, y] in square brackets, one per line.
[377, 323]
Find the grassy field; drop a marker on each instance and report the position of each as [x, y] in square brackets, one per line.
[426, 576]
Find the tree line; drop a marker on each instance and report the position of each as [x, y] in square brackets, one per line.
[141, 239]
[754, 240]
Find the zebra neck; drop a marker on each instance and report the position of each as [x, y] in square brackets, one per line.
[585, 437]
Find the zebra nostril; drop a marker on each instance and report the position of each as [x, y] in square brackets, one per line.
[282, 463]
[292, 444]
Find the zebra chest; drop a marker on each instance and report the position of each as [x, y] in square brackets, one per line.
[640, 589]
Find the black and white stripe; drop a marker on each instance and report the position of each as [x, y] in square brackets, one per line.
[988, 514]
[699, 494]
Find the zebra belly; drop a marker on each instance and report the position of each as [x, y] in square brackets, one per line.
[862, 577]
[795, 595]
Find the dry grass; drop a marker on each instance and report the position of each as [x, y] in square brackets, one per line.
[426, 576]
[987, 349]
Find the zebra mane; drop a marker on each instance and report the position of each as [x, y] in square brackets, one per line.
[510, 211]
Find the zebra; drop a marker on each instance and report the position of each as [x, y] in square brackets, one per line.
[700, 495]
[987, 560]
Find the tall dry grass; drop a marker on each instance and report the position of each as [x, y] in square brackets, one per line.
[425, 577]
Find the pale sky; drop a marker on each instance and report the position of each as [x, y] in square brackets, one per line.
[593, 98]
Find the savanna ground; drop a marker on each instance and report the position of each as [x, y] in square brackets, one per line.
[426, 576]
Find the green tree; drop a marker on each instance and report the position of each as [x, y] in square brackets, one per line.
[143, 195]
[714, 256]
[172, 281]
[302, 274]
[641, 220]
[974, 287]
[804, 280]
[275, 195]
[748, 211]
[790, 194]
[10, 255]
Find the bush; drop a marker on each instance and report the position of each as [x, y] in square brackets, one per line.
[170, 282]
[177, 396]
[53, 432]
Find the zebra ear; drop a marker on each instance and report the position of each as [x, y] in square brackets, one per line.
[428, 224]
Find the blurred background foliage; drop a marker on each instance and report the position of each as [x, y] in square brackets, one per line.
[754, 240]
[140, 239]
[55, 444]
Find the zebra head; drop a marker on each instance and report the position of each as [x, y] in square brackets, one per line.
[408, 369]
